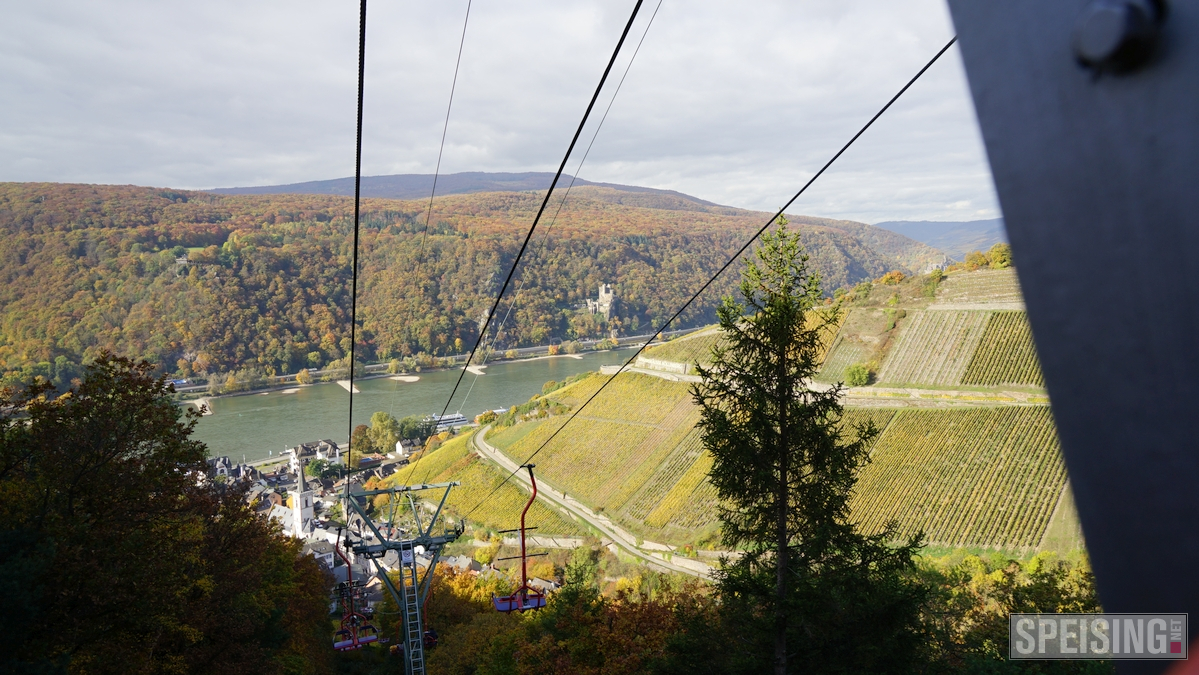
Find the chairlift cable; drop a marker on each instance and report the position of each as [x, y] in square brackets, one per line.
[545, 237]
[357, 205]
[720, 271]
[420, 255]
[561, 167]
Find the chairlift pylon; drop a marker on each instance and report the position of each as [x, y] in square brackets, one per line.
[525, 597]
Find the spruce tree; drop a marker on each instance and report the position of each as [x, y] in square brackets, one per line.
[809, 591]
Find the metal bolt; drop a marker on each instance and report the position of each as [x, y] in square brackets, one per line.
[1117, 34]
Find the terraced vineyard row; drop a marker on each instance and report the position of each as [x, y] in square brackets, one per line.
[454, 462]
[682, 496]
[580, 459]
[652, 493]
[935, 348]
[1006, 354]
[619, 488]
[970, 477]
[983, 286]
[681, 500]
[881, 417]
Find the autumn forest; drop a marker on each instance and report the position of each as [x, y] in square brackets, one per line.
[202, 283]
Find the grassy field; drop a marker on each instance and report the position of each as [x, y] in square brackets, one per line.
[453, 461]
[1006, 354]
[935, 348]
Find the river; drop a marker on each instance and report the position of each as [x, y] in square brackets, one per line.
[258, 425]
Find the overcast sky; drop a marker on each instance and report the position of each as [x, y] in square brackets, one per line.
[734, 102]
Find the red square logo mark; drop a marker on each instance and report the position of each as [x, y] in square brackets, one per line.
[1175, 647]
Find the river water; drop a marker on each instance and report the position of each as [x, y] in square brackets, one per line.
[256, 426]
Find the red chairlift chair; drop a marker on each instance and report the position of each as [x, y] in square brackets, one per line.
[525, 597]
[355, 631]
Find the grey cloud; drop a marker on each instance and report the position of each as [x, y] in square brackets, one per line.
[737, 103]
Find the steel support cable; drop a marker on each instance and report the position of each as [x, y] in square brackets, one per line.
[357, 203]
[420, 255]
[720, 271]
[558, 175]
[540, 211]
[546, 235]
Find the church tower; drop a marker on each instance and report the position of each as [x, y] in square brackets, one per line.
[302, 511]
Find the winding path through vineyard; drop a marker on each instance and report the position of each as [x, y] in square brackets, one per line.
[619, 536]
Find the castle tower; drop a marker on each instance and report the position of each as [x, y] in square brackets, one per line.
[603, 303]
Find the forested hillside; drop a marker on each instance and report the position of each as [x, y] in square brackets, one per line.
[204, 283]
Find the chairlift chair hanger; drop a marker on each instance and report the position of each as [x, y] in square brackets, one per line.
[525, 597]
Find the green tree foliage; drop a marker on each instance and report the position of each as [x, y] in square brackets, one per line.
[659, 624]
[810, 592]
[384, 431]
[857, 375]
[322, 468]
[930, 282]
[114, 560]
[264, 280]
[415, 427]
[360, 444]
[971, 597]
[999, 256]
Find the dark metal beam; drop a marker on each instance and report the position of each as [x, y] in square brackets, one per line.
[1097, 171]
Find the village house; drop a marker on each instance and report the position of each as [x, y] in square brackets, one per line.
[306, 452]
[322, 551]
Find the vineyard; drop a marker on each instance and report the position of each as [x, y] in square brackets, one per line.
[693, 348]
[453, 461]
[986, 477]
[614, 445]
[1006, 354]
[846, 351]
[862, 333]
[935, 348]
[682, 497]
[988, 286]
[633, 397]
[697, 347]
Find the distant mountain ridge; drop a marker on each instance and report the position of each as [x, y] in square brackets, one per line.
[911, 253]
[955, 238]
[418, 185]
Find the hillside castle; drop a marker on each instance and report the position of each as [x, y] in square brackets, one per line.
[603, 305]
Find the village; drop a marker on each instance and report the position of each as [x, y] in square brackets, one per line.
[303, 491]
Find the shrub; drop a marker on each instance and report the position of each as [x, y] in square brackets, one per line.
[857, 375]
[1000, 256]
[931, 281]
